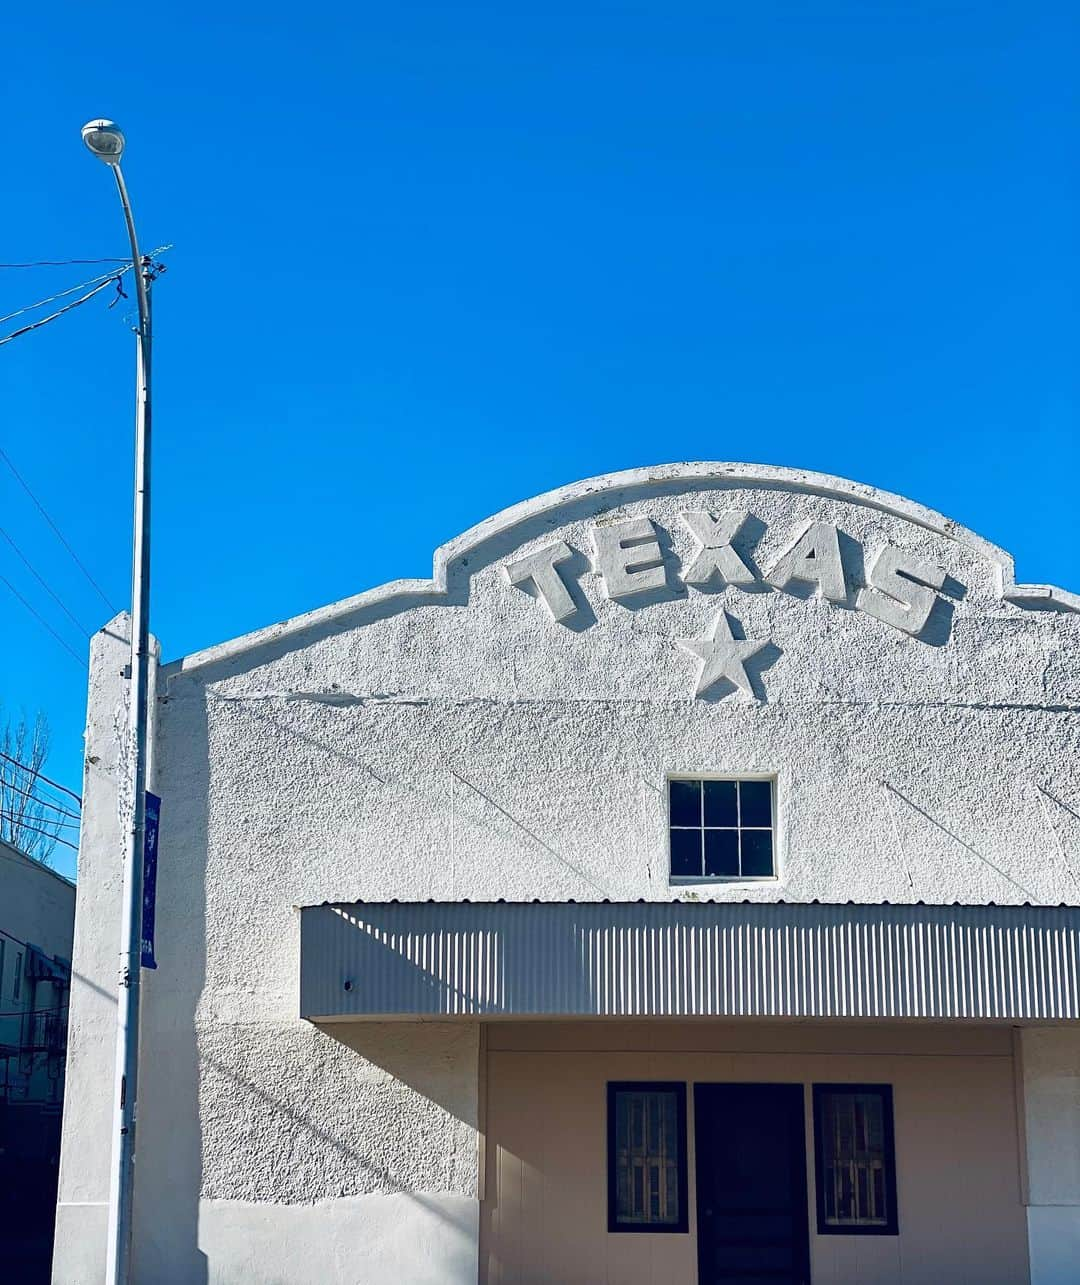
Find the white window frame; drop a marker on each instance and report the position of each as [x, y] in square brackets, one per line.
[727, 881]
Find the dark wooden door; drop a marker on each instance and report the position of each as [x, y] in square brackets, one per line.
[752, 1216]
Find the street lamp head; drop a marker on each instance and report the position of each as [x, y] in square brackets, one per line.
[105, 139]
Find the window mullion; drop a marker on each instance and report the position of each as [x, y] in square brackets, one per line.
[701, 817]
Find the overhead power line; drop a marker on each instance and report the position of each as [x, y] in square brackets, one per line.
[42, 621]
[56, 530]
[37, 830]
[62, 294]
[42, 777]
[58, 822]
[18, 819]
[45, 803]
[45, 585]
[99, 283]
[62, 263]
[75, 303]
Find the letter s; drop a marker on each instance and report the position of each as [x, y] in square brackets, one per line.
[900, 590]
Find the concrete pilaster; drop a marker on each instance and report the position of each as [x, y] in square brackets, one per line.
[83, 1193]
[1050, 1076]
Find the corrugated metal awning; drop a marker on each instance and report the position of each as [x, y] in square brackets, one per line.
[664, 959]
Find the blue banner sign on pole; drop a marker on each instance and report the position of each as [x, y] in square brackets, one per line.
[149, 887]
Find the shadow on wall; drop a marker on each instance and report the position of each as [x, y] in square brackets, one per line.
[294, 1114]
[491, 975]
[285, 729]
[168, 1178]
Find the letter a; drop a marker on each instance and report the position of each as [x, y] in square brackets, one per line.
[814, 558]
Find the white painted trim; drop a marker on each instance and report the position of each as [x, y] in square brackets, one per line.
[724, 474]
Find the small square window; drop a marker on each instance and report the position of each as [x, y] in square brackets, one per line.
[855, 1160]
[647, 1156]
[721, 829]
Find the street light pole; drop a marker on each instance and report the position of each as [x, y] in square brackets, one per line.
[106, 141]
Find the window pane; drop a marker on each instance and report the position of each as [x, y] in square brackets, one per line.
[757, 858]
[720, 807]
[755, 802]
[685, 802]
[721, 852]
[647, 1162]
[857, 1177]
[686, 852]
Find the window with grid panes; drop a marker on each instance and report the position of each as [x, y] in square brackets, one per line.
[721, 829]
[856, 1166]
[647, 1157]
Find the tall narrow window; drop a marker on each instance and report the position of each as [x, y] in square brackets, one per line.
[856, 1164]
[721, 829]
[647, 1156]
[16, 989]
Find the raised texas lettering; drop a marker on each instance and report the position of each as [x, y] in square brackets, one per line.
[900, 591]
[629, 558]
[814, 558]
[716, 557]
[541, 568]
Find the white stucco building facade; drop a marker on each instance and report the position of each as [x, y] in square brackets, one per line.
[680, 886]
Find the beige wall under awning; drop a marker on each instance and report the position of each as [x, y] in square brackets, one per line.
[961, 1216]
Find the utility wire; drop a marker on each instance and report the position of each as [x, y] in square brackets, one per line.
[60, 263]
[62, 294]
[42, 621]
[47, 833]
[47, 803]
[41, 776]
[145, 265]
[36, 325]
[56, 530]
[45, 585]
[17, 819]
[99, 284]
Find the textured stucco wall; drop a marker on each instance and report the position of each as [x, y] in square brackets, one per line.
[455, 741]
[476, 748]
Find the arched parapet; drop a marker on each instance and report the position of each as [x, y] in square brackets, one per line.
[884, 544]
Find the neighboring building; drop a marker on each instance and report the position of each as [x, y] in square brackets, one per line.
[37, 919]
[681, 886]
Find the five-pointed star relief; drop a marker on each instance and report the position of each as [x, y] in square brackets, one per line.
[721, 655]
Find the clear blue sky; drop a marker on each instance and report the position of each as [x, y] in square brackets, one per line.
[434, 258]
